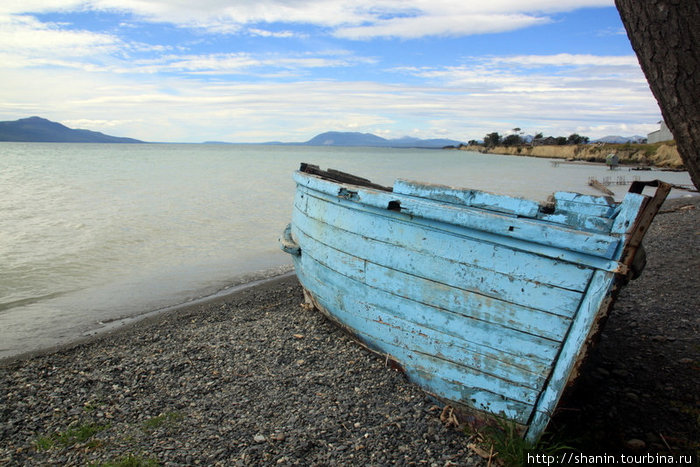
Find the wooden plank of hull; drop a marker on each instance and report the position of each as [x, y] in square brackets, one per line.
[598, 298]
[572, 211]
[474, 198]
[437, 375]
[475, 305]
[483, 342]
[437, 243]
[476, 219]
[521, 292]
[495, 317]
[594, 307]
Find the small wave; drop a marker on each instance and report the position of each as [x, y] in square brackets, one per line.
[30, 300]
[251, 280]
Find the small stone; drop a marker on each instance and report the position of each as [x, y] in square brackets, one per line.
[259, 438]
[635, 444]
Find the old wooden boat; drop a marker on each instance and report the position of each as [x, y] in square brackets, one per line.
[487, 302]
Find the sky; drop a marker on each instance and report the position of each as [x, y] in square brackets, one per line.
[287, 70]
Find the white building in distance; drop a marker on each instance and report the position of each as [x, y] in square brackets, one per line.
[662, 134]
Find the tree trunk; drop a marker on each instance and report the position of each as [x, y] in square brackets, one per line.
[665, 34]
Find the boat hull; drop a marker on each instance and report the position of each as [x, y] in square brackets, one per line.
[487, 302]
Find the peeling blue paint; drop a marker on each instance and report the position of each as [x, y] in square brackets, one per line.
[486, 301]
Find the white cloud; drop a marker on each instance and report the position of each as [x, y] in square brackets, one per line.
[25, 42]
[160, 92]
[260, 65]
[34, 38]
[458, 102]
[278, 34]
[356, 19]
[441, 25]
[564, 59]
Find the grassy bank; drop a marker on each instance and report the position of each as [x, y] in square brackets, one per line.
[663, 154]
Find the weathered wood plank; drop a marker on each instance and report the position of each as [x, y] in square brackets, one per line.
[572, 210]
[346, 264]
[604, 203]
[592, 213]
[455, 302]
[485, 344]
[338, 176]
[445, 297]
[474, 398]
[587, 315]
[397, 220]
[629, 210]
[386, 339]
[391, 328]
[459, 384]
[464, 302]
[527, 230]
[465, 197]
[524, 297]
[433, 242]
[579, 221]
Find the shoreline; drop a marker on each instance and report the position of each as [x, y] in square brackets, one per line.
[93, 326]
[119, 325]
[658, 155]
[254, 378]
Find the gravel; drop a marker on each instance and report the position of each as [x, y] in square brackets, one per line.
[252, 379]
[255, 378]
[641, 381]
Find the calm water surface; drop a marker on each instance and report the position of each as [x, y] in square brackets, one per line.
[91, 234]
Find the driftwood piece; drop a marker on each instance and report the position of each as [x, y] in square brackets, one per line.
[600, 187]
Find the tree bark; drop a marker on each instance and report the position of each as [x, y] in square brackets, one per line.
[665, 34]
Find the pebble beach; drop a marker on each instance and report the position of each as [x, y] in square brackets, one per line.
[255, 378]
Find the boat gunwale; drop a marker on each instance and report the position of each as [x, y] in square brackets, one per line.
[527, 246]
[462, 218]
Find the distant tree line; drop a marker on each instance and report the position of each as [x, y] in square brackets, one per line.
[516, 139]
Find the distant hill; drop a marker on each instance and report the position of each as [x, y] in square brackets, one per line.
[620, 139]
[338, 138]
[40, 130]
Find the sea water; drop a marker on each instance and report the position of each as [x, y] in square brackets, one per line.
[96, 234]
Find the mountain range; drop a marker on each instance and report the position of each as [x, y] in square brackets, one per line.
[338, 138]
[621, 139]
[40, 130]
